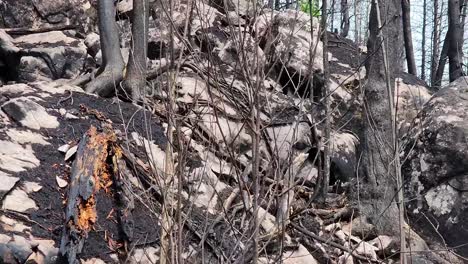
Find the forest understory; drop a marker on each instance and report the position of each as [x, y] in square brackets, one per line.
[189, 131]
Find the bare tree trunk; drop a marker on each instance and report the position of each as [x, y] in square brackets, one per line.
[423, 43]
[135, 79]
[326, 139]
[435, 43]
[344, 18]
[111, 71]
[442, 61]
[439, 74]
[410, 61]
[378, 144]
[455, 39]
[356, 24]
[332, 13]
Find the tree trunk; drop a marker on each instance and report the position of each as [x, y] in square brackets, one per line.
[344, 18]
[377, 147]
[332, 14]
[111, 71]
[439, 74]
[135, 80]
[455, 39]
[441, 65]
[410, 61]
[356, 24]
[326, 88]
[423, 43]
[435, 43]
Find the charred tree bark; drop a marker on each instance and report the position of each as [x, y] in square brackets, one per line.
[441, 65]
[85, 181]
[410, 61]
[435, 43]
[377, 136]
[135, 78]
[344, 18]
[449, 37]
[455, 39]
[423, 43]
[110, 73]
[326, 89]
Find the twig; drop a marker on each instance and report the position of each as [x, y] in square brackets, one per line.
[27, 31]
[331, 243]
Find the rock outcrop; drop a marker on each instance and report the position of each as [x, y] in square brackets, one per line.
[229, 56]
[436, 167]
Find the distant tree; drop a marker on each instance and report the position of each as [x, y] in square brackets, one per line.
[332, 15]
[344, 18]
[435, 43]
[453, 43]
[410, 61]
[423, 42]
[455, 39]
[310, 7]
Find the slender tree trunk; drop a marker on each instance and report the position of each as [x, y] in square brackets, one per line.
[455, 39]
[326, 139]
[442, 61]
[410, 61]
[435, 43]
[423, 43]
[344, 18]
[356, 18]
[379, 142]
[332, 14]
[439, 74]
[135, 80]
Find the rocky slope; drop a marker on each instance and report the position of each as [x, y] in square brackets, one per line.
[48, 122]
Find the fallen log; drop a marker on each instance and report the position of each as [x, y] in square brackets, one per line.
[89, 171]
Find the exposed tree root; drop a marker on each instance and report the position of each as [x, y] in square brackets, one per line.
[105, 84]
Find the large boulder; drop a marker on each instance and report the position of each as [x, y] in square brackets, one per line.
[46, 13]
[436, 167]
[287, 38]
[412, 93]
[53, 55]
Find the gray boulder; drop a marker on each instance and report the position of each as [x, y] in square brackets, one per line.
[47, 13]
[436, 167]
[53, 55]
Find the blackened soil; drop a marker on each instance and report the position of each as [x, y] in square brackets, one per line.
[51, 199]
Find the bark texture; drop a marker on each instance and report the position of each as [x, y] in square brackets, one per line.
[423, 43]
[110, 73]
[344, 18]
[435, 43]
[410, 61]
[455, 39]
[135, 78]
[377, 202]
